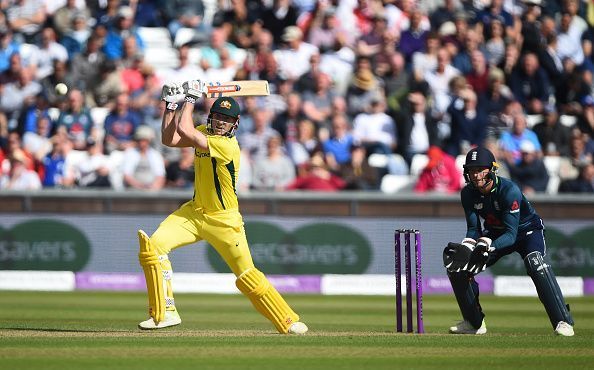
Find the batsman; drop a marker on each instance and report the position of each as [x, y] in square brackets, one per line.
[510, 224]
[211, 215]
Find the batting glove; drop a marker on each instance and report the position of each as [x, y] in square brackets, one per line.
[194, 90]
[480, 255]
[171, 94]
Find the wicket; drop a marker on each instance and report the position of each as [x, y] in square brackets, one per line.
[408, 274]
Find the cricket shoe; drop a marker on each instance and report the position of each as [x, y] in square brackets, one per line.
[298, 328]
[564, 329]
[171, 319]
[464, 327]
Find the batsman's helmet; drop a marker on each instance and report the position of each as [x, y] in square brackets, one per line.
[480, 157]
[227, 106]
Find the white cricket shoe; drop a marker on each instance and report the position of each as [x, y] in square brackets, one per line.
[464, 327]
[298, 328]
[564, 329]
[171, 319]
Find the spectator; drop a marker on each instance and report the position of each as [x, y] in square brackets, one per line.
[585, 121]
[414, 38]
[38, 142]
[278, 18]
[462, 60]
[85, 67]
[286, 122]
[51, 91]
[376, 130]
[370, 42]
[493, 102]
[307, 143]
[317, 104]
[425, 60]
[495, 43]
[584, 183]
[294, 58]
[357, 173]
[8, 47]
[478, 77]
[337, 148]
[26, 17]
[241, 23]
[49, 51]
[184, 69]
[19, 177]
[212, 55]
[438, 81]
[551, 62]
[417, 129]
[180, 173]
[64, 16]
[18, 95]
[512, 139]
[108, 87]
[325, 34]
[144, 168]
[317, 178]
[259, 57]
[530, 172]
[579, 155]
[93, 169]
[76, 121]
[185, 14]
[274, 171]
[124, 26]
[552, 135]
[440, 175]
[363, 89]
[468, 125]
[256, 142]
[530, 84]
[120, 125]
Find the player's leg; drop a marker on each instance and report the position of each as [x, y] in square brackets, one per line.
[466, 290]
[549, 293]
[231, 244]
[175, 231]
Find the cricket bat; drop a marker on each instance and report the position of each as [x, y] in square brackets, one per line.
[238, 88]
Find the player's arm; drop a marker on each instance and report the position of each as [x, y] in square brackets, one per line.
[171, 94]
[510, 205]
[189, 136]
[473, 222]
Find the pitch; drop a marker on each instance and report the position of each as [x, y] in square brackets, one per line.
[97, 330]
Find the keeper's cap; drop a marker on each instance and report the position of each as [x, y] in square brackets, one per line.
[480, 157]
[227, 106]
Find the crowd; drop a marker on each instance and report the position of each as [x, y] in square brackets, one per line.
[350, 79]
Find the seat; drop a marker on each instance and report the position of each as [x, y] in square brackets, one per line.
[393, 183]
[533, 120]
[161, 57]
[417, 164]
[553, 165]
[155, 37]
[183, 36]
[378, 160]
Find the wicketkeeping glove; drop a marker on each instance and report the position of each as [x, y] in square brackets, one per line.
[479, 256]
[457, 255]
[194, 90]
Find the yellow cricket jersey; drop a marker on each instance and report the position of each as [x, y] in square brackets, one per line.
[216, 172]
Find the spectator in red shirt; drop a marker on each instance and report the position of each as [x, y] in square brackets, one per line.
[440, 175]
[317, 178]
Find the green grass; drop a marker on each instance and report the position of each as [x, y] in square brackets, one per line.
[97, 330]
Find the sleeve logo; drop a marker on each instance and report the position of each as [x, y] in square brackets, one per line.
[515, 207]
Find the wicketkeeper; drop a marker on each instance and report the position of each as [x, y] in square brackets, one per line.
[510, 225]
[212, 214]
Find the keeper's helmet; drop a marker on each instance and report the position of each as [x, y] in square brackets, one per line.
[480, 157]
[227, 106]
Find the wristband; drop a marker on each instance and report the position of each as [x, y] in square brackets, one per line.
[171, 106]
[190, 99]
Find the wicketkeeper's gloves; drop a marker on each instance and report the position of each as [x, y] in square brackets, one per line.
[456, 255]
[479, 256]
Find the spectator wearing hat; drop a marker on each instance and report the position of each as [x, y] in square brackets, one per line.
[364, 88]
[19, 177]
[530, 172]
[144, 168]
[554, 137]
[124, 26]
[440, 175]
[294, 58]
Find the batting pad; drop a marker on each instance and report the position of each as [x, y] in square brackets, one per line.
[153, 274]
[266, 299]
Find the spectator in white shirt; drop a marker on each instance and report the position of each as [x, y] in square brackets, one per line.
[144, 167]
